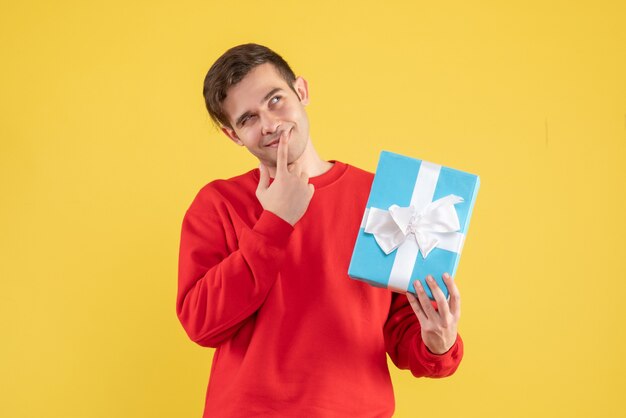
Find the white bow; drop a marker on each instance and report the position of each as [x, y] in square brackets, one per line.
[391, 228]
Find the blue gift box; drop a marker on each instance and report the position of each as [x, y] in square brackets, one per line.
[414, 225]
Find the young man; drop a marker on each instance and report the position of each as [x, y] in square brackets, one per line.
[263, 268]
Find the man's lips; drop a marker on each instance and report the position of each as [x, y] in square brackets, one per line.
[274, 142]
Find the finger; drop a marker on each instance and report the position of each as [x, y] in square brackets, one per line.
[442, 303]
[417, 308]
[424, 300]
[264, 178]
[282, 154]
[295, 168]
[298, 168]
[455, 296]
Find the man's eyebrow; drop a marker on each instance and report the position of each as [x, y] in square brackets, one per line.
[267, 97]
[270, 94]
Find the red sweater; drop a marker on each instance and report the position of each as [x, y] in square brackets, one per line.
[294, 335]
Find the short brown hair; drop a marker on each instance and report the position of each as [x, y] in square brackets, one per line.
[231, 68]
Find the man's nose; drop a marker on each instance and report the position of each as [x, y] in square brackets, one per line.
[269, 123]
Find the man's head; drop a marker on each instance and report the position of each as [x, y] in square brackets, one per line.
[253, 94]
[231, 68]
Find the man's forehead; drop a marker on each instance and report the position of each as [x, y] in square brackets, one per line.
[258, 81]
[252, 90]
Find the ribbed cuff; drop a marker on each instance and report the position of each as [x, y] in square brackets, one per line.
[439, 358]
[274, 228]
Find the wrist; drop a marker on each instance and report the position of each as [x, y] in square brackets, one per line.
[438, 348]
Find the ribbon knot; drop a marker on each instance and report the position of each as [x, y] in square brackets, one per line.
[391, 228]
[412, 228]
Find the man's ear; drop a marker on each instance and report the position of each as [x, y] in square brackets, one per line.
[229, 132]
[302, 90]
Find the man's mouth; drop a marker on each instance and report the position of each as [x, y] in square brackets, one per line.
[274, 142]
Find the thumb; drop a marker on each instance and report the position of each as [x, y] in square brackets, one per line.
[264, 177]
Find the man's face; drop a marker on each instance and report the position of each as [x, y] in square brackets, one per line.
[260, 107]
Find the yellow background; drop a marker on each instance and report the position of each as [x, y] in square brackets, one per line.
[105, 141]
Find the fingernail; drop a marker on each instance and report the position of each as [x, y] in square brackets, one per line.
[418, 285]
[446, 276]
[430, 279]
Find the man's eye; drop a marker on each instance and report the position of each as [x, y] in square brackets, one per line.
[275, 99]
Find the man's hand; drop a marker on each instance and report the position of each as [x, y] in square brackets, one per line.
[289, 194]
[439, 327]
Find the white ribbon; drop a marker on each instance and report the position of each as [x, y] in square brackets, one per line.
[391, 228]
[431, 224]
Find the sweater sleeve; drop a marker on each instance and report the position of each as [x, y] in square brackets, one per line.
[403, 342]
[224, 276]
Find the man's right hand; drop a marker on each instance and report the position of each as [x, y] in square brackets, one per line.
[289, 194]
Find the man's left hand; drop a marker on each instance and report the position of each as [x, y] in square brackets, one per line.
[439, 326]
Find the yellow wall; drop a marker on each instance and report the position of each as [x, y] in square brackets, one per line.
[105, 141]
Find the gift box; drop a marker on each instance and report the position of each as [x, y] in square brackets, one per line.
[415, 223]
